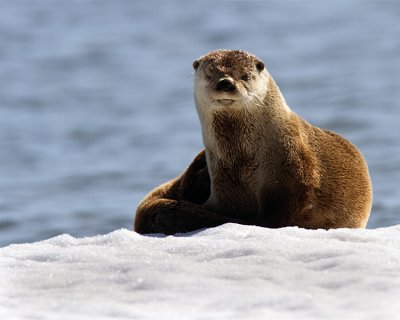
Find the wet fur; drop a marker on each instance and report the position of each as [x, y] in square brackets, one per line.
[262, 165]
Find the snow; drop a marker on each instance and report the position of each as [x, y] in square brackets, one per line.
[228, 272]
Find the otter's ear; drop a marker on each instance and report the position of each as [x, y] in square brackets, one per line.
[260, 65]
[196, 64]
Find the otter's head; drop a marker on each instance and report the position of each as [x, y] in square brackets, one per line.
[229, 79]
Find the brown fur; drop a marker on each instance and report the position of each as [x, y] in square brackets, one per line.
[262, 164]
[176, 206]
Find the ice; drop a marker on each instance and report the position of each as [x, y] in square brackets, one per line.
[228, 272]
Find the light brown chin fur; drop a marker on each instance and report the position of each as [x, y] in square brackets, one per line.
[262, 165]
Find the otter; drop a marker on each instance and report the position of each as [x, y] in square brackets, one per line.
[262, 164]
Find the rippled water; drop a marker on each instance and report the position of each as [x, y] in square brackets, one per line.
[96, 103]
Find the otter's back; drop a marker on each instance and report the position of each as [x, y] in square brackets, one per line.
[345, 193]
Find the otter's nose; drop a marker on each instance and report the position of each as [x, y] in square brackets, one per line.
[225, 85]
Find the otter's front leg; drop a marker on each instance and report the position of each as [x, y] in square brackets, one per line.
[275, 208]
[282, 205]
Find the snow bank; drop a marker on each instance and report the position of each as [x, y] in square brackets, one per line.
[229, 272]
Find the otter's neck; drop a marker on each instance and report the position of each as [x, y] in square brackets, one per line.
[275, 102]
[233, 132]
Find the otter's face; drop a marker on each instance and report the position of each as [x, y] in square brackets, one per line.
[229, 78]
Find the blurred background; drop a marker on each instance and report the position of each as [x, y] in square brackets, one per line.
[96, 97]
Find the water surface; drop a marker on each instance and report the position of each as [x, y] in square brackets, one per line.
[96, 98]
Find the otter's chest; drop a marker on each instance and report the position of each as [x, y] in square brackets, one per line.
[234, 187]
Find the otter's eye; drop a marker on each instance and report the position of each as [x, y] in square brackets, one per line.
[196, 64]
[260, 66]
[245, 77]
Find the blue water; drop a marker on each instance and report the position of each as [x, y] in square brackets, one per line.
[96, 97]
